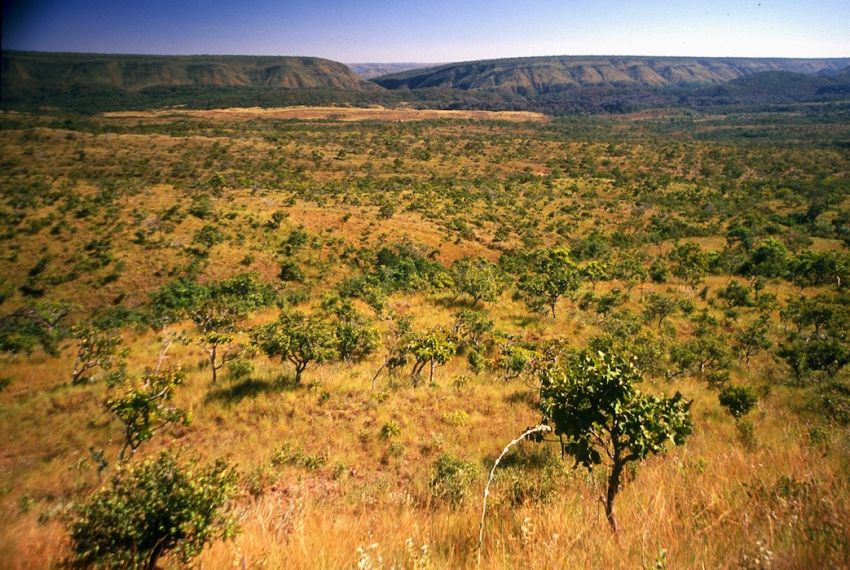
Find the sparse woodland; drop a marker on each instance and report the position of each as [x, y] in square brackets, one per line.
[303, 343]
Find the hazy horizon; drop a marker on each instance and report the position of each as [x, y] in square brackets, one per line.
[439, 31]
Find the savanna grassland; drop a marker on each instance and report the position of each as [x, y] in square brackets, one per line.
[709, 249]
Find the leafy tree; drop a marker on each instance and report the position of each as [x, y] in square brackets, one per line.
[477, 278]
[821, 341]
[175, 299]
[601, 418]
[689, 263]
[770, 259]
[753, 339]
[34, 326]
[595, 271]
[658, 307]
[299, 339]
[356, 336]
[98, 349]
[244, 291]
[550, 275]
[735, 295]
[395, 339]
[827, 268]
[154, 509]
[514, 359]
[623, 334]
[630, 270]
[707, 354]
[434, 348]
[145, 407]
[738, 400]
[472, 328]
[216, 323]
[291, 271]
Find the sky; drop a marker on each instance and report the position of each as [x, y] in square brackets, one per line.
[431, 31]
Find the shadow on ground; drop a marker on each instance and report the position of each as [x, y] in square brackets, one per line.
[249, 389]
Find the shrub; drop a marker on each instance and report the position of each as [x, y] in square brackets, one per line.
[156, 508]
[738, 400]
[451, 479]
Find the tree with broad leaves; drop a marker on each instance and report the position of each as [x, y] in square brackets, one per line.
[434, 348]
[98, 349]
[159, 507]
[395, 339]
[602, 419]
[477, 278]
[299, 339]
[145, 407]
[753, 339]
[550, 275]
[216, 322]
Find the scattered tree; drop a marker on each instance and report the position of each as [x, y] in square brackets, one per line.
[601, 418]
[98, 349]
[550, 275]
[434, 348]
[297, 338]
[145, 408]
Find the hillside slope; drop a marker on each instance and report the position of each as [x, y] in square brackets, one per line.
[538, 75]
[28, 70]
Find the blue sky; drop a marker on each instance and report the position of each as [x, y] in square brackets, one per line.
[431, 31]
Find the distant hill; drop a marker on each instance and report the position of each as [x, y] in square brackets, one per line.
[29, 70]
[539, 75]
[372, 70]
[90, 83]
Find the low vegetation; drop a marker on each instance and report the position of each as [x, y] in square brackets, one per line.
[256, 341]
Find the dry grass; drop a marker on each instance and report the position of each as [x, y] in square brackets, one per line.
[714, 503]
[346, 114]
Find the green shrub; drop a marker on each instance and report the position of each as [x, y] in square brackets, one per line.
[452, 479]
[738, 400]
[240, 369]
[156, 508]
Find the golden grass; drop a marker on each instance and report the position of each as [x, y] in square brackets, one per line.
[713, 503]
[345, 114]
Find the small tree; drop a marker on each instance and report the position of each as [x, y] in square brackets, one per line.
[602, 418]
[216, 323]
[298, 339]
[735, 295]
[595, 271]
[433, 348]
[356, 335]
[98, 349]
[753, 339]
[477, 278]
[157, 508]
[738, 400]
[658, 307]
[145, 408]
[689, 263]
[550, 275]
[395, 339]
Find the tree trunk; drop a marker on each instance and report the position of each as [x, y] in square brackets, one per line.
[212, 363]
[154, 556]
[378, 373]
[299, 368]
[613, 488]
[552, 306]
[431, 375]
